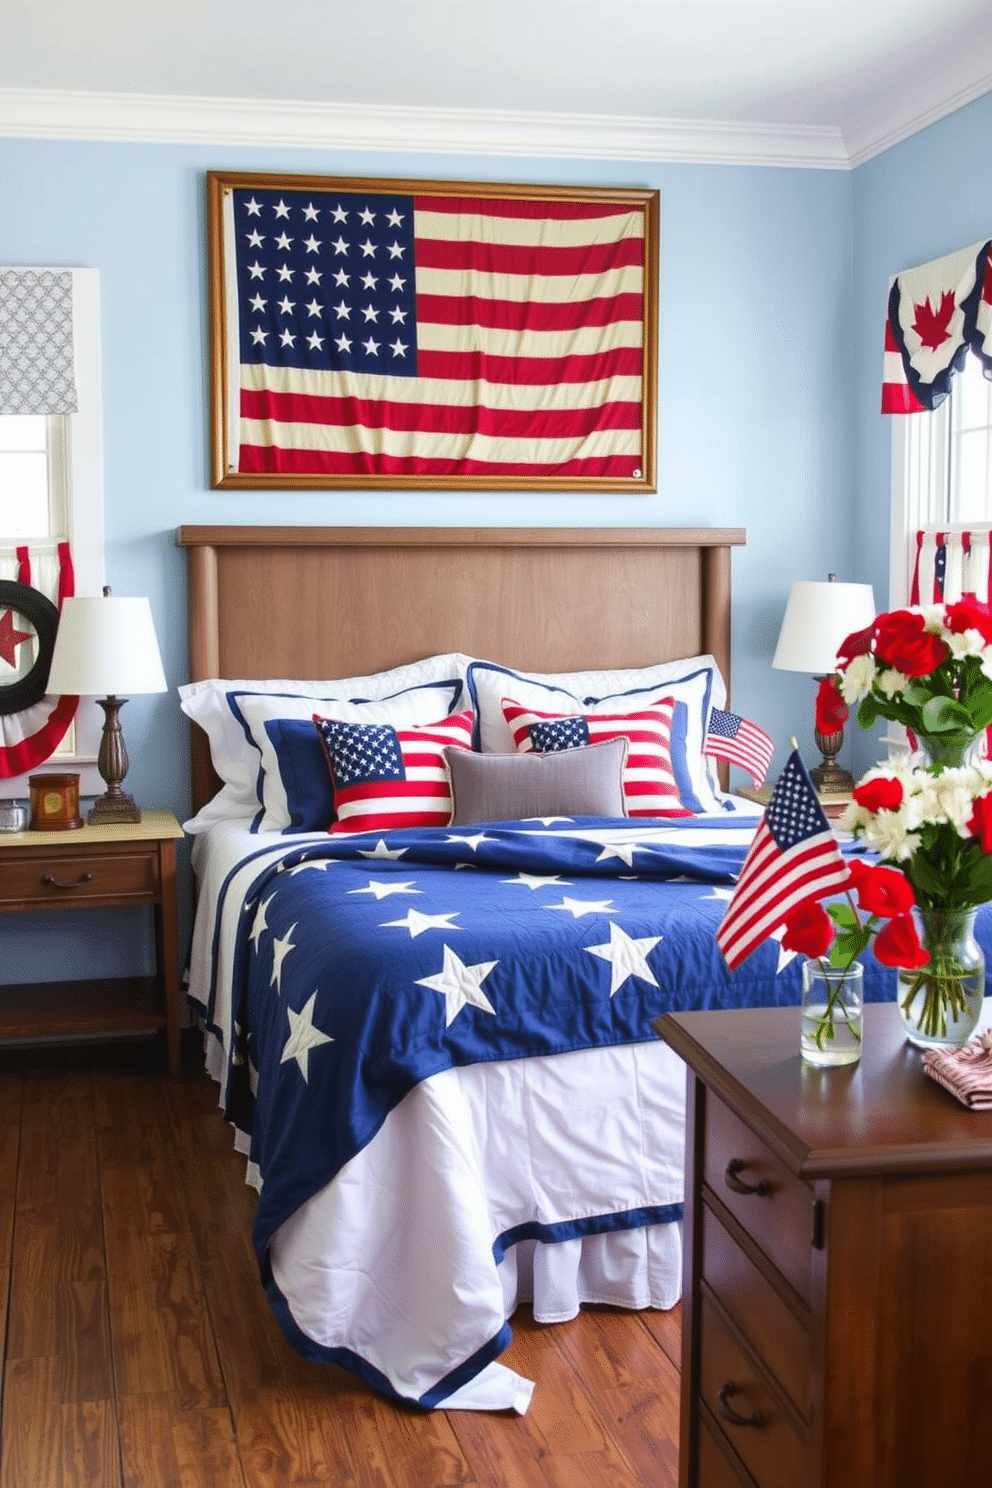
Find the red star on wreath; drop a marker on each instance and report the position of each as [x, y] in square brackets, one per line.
[10, 637]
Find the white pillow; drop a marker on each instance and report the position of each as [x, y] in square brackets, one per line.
[207, 704]
[695, 682]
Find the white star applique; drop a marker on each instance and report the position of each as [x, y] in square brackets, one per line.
[579, 907]
[624, 850]
[627, 957]
[460, 984]
[417, 923]
[303, 1037]
[537, 880]
[549, 821]
[472, 842]
[322, 864]
[381, 851]
[281, 947]
[382, 888]
[259, 925]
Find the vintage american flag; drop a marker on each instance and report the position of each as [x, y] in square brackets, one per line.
[794, 857]
[380, 334]
[735, 739]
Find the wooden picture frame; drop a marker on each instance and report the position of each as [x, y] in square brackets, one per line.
[438, 335]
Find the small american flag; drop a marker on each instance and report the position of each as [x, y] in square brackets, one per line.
[418, 335]
[735, 739]
[794, 857]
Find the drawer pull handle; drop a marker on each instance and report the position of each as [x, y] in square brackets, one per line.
[736, 1165]
[728, 1413]
[56, 883]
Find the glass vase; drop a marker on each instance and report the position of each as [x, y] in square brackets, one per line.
[948, 751]
[940, 1003]
[830, 1033]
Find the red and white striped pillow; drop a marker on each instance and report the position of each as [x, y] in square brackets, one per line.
[387, 777]
[649, 784]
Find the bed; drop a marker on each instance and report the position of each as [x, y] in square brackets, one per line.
[504, 1128]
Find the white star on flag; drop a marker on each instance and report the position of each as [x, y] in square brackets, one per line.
[627, 957]
[460, 984]
[381, 851]
[259, 926]
[624, 850]
[322, 863]
[537, 880]
[281, 947]
[303, 1037]
[417, 923]
[382, 888]
[579, 907]
[472, 842]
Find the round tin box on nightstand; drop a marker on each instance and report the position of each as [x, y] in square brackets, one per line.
[54, 802]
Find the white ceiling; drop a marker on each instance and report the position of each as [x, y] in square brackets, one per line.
[836, 80]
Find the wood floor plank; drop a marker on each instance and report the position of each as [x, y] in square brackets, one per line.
[165, 1447]
[31, 1450]
[55, 1251]
[57, 1161]
[10, 1146]
[666, 1329]
[90, 1446]
[389, 1444]
[286, 1439]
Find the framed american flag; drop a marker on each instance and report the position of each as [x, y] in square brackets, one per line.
[408, 334]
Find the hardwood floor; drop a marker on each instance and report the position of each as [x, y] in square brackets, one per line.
[140, 1351]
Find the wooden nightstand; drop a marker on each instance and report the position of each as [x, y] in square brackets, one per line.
[833, 803]
[90, 868]
[837, 1274]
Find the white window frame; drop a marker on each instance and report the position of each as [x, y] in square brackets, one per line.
[83, 454]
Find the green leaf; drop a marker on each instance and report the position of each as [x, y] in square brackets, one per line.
[943, 715]
[842, 915]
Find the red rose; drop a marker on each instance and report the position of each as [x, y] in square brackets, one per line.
[857, 869]
[970, 614]
[831, 709]
[897, 944]
[902, 641]
[880, 794]
[886, 891]
[980, 825]
[858, 643]
[809, 930]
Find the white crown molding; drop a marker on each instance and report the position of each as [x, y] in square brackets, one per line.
[39, 113]
[891, 123]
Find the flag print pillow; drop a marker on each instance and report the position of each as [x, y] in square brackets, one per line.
[387, 777]
[649, 785]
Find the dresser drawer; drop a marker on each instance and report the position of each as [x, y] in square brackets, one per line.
[731, 1385]
[770, 1203]
[714, 1469]
[41, 881]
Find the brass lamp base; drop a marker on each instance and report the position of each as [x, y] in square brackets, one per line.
[827, 776]
[110, 810]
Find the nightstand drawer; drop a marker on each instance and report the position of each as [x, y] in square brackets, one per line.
[770, 1203]
[772, 1329]
[39, 881]
[746, 1410]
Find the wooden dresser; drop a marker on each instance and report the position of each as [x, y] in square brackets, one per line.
[837, 1288]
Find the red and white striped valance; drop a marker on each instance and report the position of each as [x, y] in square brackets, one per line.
[936, 314]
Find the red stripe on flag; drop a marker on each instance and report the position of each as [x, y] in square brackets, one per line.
[439, 418]
[518, 258]
[265, 460]
[538, 210]
[900, 398]
[526, 315]
[478, 366]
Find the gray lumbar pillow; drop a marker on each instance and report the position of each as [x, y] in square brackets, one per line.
[587, 781]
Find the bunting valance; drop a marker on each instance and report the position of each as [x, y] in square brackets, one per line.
[937, 313]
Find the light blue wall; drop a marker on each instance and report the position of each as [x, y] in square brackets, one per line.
[923, 198]
[755, 424]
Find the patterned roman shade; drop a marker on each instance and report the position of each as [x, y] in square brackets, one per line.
[36, 356]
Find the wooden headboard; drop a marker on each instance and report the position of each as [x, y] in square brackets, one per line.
[346, 601]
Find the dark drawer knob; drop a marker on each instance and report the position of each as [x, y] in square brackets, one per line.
[736, 1165]
[728, 1413]
[56, 883]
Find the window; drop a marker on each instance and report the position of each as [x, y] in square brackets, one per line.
[51, 489]
[942, 480]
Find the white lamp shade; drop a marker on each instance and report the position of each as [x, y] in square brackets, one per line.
[106, 648]
[818, 617]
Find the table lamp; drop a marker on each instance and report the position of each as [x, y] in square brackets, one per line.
[818, 617]
[107, 645]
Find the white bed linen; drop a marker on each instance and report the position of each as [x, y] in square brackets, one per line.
[468, 1155]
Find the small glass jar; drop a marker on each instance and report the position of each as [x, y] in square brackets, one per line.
[831, 1013]
[940, 1003]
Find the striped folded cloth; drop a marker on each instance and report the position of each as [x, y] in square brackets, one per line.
[966, 1072]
